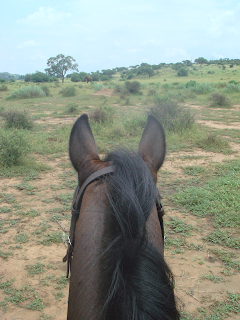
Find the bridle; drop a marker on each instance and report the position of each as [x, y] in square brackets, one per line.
[76, 205]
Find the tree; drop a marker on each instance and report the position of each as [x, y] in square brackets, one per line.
[59, 65]
[182, 72]
[39, 77]
[201, 60]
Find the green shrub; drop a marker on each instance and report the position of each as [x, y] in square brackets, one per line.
[53, 79]
[72, 108]
[202, 88]
[214, 143]
[191, 84]
[135, 125]
[166, 86]
[133, 86]
[97, 86]
[68, 92]
[220, 85]
[46, 89]
[3, 87]
[234, 82]
[102, 115]
[219, 100]
[2, 80]
[39, 77]
[76, 77]
[13, 146]
[17, 119]
[172, 116]
[27, 92]
[232, 88]
[182, 72]
[28, 77]
[122, 90]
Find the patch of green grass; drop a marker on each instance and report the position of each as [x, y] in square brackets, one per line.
[34, 269]
[214, 143]
[219, 197]
[21, 238]
[178, 226]
[227, 259]
[5, 255]
[20, 296]
[194, 170]
[219, 310]
[211, 278]
[26, 187]
[50, 238]
[223, 238]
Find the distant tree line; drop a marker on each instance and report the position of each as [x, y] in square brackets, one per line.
[59, 66]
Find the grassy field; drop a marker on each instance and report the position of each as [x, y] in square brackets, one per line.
[199, 182]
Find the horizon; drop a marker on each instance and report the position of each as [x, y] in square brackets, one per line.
[108, 35]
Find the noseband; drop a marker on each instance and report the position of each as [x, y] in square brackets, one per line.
[76, 205]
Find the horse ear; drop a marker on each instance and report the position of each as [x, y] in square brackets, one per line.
[152, 146]
[82, 145]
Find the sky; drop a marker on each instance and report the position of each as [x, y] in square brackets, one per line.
[104, 34]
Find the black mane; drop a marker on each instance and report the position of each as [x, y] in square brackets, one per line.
[135, 281]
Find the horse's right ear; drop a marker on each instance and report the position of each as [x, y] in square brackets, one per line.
[82, 145]
[152, 146]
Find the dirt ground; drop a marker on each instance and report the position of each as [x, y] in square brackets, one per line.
[187, 268]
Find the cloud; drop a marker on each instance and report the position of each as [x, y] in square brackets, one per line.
[45, 17]
[176, 53]
[30, 43]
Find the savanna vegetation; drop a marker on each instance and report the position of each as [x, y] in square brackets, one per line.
[199, 182]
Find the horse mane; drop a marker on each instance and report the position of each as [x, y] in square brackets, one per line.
[135, 283]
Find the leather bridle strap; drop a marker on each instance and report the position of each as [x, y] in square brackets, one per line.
[76, 204]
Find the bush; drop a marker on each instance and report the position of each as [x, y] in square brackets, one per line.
[171, 115]
[46, 89]
[98, 86]
[202, 88]
[122, 90]
[17, 119]
[68, 92]
[76, 77]
[39, 77]
[53, 79]
[214, 143]
[133, 86]
[72, 108]
[104, 77]
[182, 72]
[234, 82]
[3, 87]
[13, 146]
[95, 76]
[2, 80]
[27, 77]
[27, 92]
[191, 84]
[232, 88]
[102, 115]
[219, 100]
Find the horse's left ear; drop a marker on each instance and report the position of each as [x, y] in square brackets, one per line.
[82, 147]
[152, 146]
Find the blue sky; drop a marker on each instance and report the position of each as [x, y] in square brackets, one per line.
[102, 34]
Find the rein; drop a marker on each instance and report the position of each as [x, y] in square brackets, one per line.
[76, 205]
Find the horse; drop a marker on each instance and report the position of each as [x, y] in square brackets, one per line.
[88, 78]
[118, 270]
